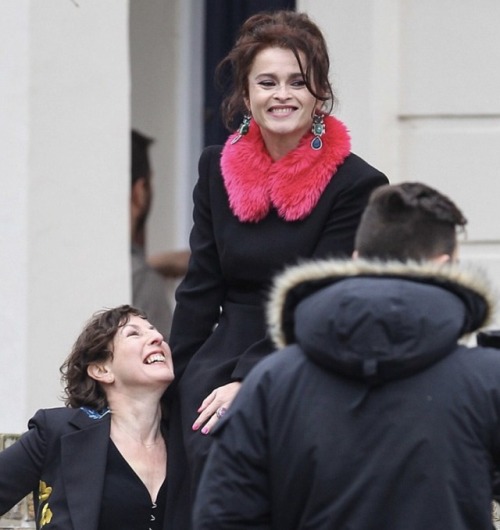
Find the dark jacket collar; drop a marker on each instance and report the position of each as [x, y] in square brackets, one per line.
[83, 458]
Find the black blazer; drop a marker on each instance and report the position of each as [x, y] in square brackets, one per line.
[62, 459]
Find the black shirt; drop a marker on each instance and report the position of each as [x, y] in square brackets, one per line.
[126, 503]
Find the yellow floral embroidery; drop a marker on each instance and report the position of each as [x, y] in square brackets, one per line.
[46, 515]
[44, 492]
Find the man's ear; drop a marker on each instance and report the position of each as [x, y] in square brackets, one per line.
[101, 373]
[443, 258]
[355, 255]
[139, 194]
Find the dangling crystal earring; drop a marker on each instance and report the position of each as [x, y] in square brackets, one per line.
[243, 128]
[318, 129]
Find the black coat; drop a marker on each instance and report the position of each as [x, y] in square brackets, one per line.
[375, 419]
[218, 332]
[233, 263]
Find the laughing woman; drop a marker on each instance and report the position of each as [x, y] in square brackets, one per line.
[284, 187]
[101, 462]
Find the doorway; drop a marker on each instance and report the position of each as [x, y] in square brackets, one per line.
[223, 19]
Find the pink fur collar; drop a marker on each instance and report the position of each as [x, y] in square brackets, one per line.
[293, 184]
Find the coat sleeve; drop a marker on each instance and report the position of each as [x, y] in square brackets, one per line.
[356, 181]
[200, 294]
[234, 491]
[21, 464]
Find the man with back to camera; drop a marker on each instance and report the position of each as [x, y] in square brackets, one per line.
[372, 416]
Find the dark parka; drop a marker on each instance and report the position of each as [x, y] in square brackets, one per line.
[372, 417]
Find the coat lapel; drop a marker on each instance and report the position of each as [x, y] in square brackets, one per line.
[84, 455]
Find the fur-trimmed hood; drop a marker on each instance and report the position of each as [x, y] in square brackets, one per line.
[378, 321]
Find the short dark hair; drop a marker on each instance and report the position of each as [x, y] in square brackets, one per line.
[140, 165]
[281, 29]
[93, 345]
[408, 221]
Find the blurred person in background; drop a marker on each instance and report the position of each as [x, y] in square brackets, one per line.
[149, 286]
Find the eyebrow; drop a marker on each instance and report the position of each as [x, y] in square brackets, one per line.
[266, 74]
[136, 327]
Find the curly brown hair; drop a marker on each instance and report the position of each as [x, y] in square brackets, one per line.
[280, 29]
[94, 345]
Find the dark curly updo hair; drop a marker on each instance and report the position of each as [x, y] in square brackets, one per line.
[280, 29]
[94, 345]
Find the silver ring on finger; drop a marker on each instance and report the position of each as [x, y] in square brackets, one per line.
[220, 412]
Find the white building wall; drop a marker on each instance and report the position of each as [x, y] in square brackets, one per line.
[64, 120]
[418, 82]
[450, 111]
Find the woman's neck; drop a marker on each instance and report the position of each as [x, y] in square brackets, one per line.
[136, 433]
[139, 420]
[279, 145]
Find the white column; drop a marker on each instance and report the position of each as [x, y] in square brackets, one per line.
[14, 138]
[64, 128]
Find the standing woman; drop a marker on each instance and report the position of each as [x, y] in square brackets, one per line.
[101, 462]
[284, 187]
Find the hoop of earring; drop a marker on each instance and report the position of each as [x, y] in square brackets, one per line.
[243, 128]
[318, 128]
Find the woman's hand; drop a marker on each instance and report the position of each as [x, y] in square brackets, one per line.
[215, 405]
